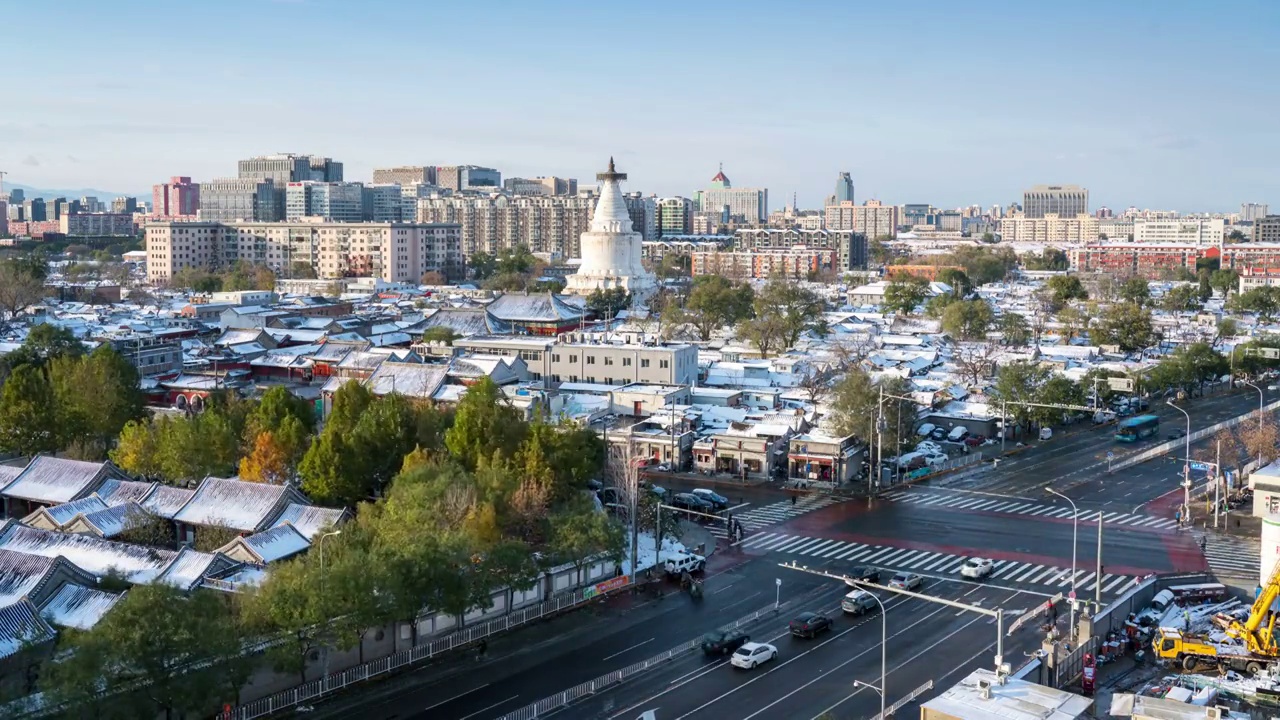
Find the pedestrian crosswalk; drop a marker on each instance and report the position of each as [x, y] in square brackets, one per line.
[987, 503]
[1231, 555]
[754, 518]
[1052, 578]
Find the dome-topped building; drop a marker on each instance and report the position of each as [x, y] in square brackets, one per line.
[611, 249]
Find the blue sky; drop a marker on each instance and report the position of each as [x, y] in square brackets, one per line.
[1165, 104]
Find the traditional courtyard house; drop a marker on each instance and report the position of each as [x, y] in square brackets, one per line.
[48, 481]
[278, 543]
[535, 314]
[234, 504]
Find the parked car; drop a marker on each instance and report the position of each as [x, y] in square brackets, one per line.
[933, 459]
[975, 440]
[1103, 416]
[1174, 435]
[684, 562]
[718, 501]
[925, 429]
[752, 654]
[939, 434]
[1046, 433]
[907, 581]
[958, 433]
[809, 624]
[859, 602]
[928, 446]
[865, 573]
[690, 501]
[723, 642]
[659, 491]
[911, 461]
[976, 568]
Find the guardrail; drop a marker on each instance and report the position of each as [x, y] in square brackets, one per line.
[555, 702]
[334, 682]
[889, 711]
[926, 473]
[1169, 446]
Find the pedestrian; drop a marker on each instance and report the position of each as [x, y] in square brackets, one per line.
[482, 648]
[793, 501]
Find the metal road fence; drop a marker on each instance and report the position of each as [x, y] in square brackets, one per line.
[337, 681]
[548, 705]
[1174, 445]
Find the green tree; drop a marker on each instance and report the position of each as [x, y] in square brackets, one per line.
[968, 319]
[1018, 388]
[137, 450]
[904, 295]
[516, 261]
[959, 282]
[1065, 288]
[1125, 325]
[983, 265]
[879, 251]
[385, 433]
[938, 304]
[1135, 290]
[196, 280]
[94, 420]
[1050, 259]
[27, 423]
[184, 649]
[582, 533]
[439, 334]
[332, 471]
[783, 312]
[607, 304]
[1224, 281]
[1014, 329]
[276, 407]
[302, 270]
[484, 424]
[1180, 298]
[855, 399]
[1263, 300]
[715, 302]
[45, 342]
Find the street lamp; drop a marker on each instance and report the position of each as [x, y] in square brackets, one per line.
[1075, 527]
[884, 625]
[1186, 466]
[320, 544]
[1261, 414]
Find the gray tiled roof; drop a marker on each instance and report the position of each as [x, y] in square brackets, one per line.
[236, 504]
[58, 480]
[21, 626]
[78, 606]
[309, 519]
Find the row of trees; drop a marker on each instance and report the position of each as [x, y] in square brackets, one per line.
[243, 275]
[773, 319]
[491, 503]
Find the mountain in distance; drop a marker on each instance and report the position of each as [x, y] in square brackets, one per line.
[47, 193]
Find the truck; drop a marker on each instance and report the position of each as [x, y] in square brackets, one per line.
[1192, 652]
[1255, 648]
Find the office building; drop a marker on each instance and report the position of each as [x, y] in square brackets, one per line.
[674, 216]
[405, 175]
[17, 197]
[1250, 212]
[385, 203]
[227, 199]
[749, 204]
[33, 210]
[1060, 200]
[844, 189]
[335, 201]
[98, 225]
[284, 168]
[395, 252]
[57, 207]
[643, 212]
[4, 217]
[541, 186]
[1266, 229]
[91, 204]
[1116, 229]
[323, 169]
[949, 221]
[468, 177]
[177, 198]
[1195, 231]
[123, 204]
[918, 214]
[1049, 229]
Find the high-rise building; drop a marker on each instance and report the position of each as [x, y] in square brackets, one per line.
[611, 249]
[1082, 228]
[749, 204]
[57, 207]
[4, 217]
[1249, 212]
[844, 188]
[850, 247]
[872, 219]
[123, 204]
[1061, 200]
[1266, 229]
[334, 201]
[541, 186]
[91, 204]
[493, 223]
[279, 169]
[839, 215]
[385, 203]
[643, 212]
[468, 177]
[33, 210]
[395, 252]
[405, 175]
[323, 169]
[914, 214]
[227, 199]
[674, 216]
[177, 198]
[17, 196]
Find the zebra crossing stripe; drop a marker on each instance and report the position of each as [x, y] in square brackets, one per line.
[815, 549]
[893, 557]
[1047, 572]
[938, 499]
[937, 562]
[1033, 569]
[757, 539]
[1086, 579]
[1043, 509]
[951, 566]
[857, 547]
[1111, 585]
[1011, 570]
[879, 554]
[833, 550]
[805, 544]
[910, 560]
[788, 541]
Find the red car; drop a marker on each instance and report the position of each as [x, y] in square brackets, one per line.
[975, 440]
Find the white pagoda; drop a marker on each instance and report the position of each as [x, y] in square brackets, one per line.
[611, 249]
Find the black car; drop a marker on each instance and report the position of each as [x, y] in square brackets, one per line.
[723, 642]
[1177, 434]
[809, 624]
[865, 572]
[689, 501]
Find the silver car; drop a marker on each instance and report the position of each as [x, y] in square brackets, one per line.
[907, 581]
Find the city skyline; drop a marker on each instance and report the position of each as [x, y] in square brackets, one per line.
[929, 114]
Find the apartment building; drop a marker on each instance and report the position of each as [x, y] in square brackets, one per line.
[395, 252]
[586, 358]
[1194, 231]
[177, 198]
[405, 175]
[1253, 258]
[750, 204]
[1266, 229]
[336, 201]
[674, 216]
[872, 219]
[1146, 260]
[97, 225]
[850, 246]
[796, 263]
[492, 224]
[1049, 228]
[551, 185]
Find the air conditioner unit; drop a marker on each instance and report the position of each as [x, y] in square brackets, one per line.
[984, 689]
[1213, 713]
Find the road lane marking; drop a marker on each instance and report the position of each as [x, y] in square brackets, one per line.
[891, 557]
[758, 539]
[513, 697]
[739, 602]
[928, 558]
[790, 541]
[455, 697]
[857, 547]
[1086, 579]
[820, 547]
[620, 652]
[877, 556]
[1108, 587]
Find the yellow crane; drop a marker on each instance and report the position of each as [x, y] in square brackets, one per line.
[1258, 632]
[1255, 650]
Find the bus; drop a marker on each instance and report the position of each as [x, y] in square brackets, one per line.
[1136, 428]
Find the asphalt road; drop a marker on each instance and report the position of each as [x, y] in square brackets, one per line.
[925, 642]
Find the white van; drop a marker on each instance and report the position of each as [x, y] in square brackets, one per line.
[1046, 433]
[925, 429]
[958, 433]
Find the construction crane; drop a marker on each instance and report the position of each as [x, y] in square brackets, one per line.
[1254, 650]
[1258, 631]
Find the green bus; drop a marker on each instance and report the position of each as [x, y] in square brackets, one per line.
[1136, 428]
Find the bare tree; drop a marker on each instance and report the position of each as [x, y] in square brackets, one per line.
[976, 361]
[623, 472]
[18, 289]
[1259, 439]
[852, 350]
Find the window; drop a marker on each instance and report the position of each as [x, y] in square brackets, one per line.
[555, 357]
[644, 362]
[664, 364]
[573, 358]
[608, 360]
[591, 359]
[626, 362]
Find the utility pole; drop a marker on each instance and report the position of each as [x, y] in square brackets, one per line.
[1097, 585]
[1217, 482]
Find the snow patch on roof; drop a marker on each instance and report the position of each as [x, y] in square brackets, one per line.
[138, 564]
[78, 607]
[310, 520]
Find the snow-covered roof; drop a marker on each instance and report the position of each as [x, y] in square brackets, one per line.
[165, 501]
[58, 480]
[21, 626]
[463, 321]
[118, 492]
[78, 607]
[236, 504]
[112, 521]
[539, 307]
[21, 575]
[279, 542]
[311, 520]
[190, 567]
[62, 514]
[8, 472]
[413, 380]
[136, 563]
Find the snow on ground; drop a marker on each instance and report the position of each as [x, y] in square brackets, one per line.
[645, 554]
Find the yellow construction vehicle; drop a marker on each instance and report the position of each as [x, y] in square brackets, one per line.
[1193, 652]
[1258, 632]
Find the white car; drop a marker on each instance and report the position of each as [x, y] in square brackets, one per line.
[976, 568]
[936, 458]
[928, 446]
[752, 654]
[907, 581]
[684, 562]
